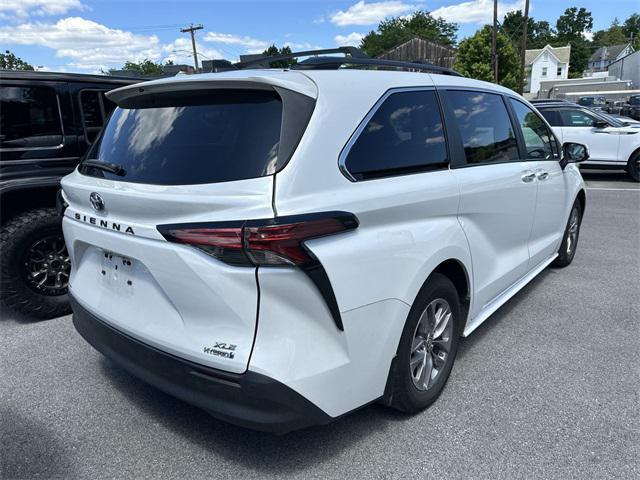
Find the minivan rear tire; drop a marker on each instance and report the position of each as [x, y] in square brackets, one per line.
[406, 396]
[17, 237]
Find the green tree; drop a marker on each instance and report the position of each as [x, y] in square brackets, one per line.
[474, 58]
[631, 28]
[614, 35]
[8, 61]
[571, 27]
[273, 50]
[145, 67]
[573, 23]
[393, 31]
[539, 34]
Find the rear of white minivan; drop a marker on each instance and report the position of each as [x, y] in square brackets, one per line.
[167, 221]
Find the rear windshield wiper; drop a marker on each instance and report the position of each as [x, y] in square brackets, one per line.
[106, 166]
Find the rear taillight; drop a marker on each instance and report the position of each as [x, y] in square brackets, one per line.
[273, 242]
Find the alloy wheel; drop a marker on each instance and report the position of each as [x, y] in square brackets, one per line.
[572, 236]
[47, 266]
[431, 344]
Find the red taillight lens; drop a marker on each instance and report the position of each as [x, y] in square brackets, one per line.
[282, 244]
[222, 243]
[262, 242]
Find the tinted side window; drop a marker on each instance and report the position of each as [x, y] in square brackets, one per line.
[576, 118]
[485, 127]
[29, 117]
[538, 139]
[405, 134]
[552, 116]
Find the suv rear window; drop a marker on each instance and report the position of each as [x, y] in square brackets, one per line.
[192, 138]
[29, 117]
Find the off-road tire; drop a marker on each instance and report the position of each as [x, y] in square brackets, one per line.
[16, 236]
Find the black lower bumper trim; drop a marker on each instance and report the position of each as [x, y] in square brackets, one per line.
[250, 400]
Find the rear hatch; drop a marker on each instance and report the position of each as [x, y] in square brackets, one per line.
[175, 155]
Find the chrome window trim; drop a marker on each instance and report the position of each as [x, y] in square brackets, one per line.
[342, 158]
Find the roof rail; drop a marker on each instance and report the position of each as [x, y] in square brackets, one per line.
[353, 56]
[336, 62]
[266, 60]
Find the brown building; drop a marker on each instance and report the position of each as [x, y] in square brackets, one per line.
[417, 49]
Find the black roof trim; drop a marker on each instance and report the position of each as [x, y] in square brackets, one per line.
[68, 77]
[266, 60]
[353, 56]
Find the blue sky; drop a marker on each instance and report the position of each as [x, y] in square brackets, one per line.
[90, 35]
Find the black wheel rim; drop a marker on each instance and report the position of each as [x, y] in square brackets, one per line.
[46, 266]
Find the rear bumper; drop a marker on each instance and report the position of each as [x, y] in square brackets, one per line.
[250, 400]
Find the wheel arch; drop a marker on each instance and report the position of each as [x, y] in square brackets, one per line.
[24, 197]
[455, 270]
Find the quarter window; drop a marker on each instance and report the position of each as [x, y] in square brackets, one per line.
[538, 140]
[404, 135]
[485, 127]
[30, 117]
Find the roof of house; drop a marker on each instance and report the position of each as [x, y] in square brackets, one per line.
[561, 53]
[609, 53]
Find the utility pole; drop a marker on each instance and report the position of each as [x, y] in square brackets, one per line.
[494, 34]
[524, 47]
[192, 29]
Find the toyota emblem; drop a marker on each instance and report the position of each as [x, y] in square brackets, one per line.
[96, 201]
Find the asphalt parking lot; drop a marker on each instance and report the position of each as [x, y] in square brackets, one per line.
[546, 388]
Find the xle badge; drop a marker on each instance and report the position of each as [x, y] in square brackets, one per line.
[220, 349]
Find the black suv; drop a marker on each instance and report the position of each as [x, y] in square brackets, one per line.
[632, 108]
[47, 122]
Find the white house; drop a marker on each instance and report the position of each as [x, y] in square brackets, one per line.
[548, 63]
[604, 56]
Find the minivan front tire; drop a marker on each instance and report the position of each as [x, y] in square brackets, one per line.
[32, 251]
[569, 243]
[428, 346]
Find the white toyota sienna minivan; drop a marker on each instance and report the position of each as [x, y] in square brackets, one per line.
[282, 246]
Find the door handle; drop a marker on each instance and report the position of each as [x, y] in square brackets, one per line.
[528, 177]
[542, 175]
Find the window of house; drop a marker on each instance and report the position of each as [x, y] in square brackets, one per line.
[404, 135]
[485, 127]
[30, 117]
[559, 72]
[544, 71]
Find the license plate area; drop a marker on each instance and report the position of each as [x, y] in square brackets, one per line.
[118, 273]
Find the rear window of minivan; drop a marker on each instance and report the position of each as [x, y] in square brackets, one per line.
[202, 137]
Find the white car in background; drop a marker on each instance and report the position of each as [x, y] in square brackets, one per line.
[612, 142]
[281, 247]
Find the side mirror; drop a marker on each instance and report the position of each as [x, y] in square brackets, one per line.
[574, 153]
[600, 124]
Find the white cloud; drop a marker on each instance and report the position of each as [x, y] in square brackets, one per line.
[86, 44]
[251, 45]
[297, 47]
[20, 9]
[475, 11]
[353, 39]
[588, 35]
[362, 13]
